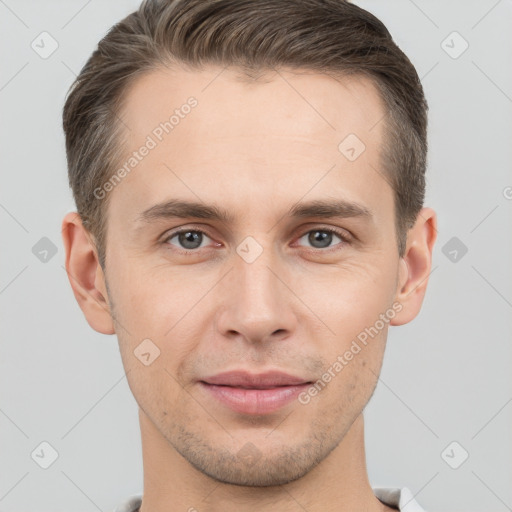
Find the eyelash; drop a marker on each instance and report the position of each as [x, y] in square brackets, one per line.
[341, 234]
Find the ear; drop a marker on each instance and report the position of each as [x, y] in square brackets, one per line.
[86, 275]
[415, 266]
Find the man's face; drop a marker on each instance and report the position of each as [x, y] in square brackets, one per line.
[293, 297]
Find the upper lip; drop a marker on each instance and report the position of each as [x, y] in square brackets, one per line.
[248, 380]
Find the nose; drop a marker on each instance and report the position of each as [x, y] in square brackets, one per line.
[257, 303]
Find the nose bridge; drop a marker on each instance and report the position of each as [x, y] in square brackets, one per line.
[255, 301]
[254, 273]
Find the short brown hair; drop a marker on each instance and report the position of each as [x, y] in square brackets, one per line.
[328, 36]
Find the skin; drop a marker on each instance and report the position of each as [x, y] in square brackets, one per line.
[255, 149]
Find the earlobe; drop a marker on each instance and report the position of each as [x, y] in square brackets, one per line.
[86, 275]
[415, 266]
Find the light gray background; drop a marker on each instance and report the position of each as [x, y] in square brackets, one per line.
[446, 376]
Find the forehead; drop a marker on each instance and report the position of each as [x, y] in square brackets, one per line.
[317, 104]
[213, 135]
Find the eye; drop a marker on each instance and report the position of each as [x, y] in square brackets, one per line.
[321, 238]
[189, 239]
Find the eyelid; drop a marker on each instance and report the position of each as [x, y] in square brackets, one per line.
[188, 227]
[346, 239]
[343, 234]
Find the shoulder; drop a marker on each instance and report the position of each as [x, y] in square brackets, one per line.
[131, 504]
[400, 498]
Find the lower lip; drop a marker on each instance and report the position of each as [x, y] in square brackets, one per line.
[254, 401]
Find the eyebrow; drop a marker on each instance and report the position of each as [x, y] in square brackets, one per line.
[326, 208]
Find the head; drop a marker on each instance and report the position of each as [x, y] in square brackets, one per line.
[250, 109]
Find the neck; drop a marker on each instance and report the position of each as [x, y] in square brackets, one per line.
[338, 483]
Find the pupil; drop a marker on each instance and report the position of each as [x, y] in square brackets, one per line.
[193, 237]
[324, 238]
[188, 237]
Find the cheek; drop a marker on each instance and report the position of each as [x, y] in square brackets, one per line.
[156, 388]
[355, 305]
[152, 300]
[157, 301]
[151, 315]
[349, 379]
[348, 298]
